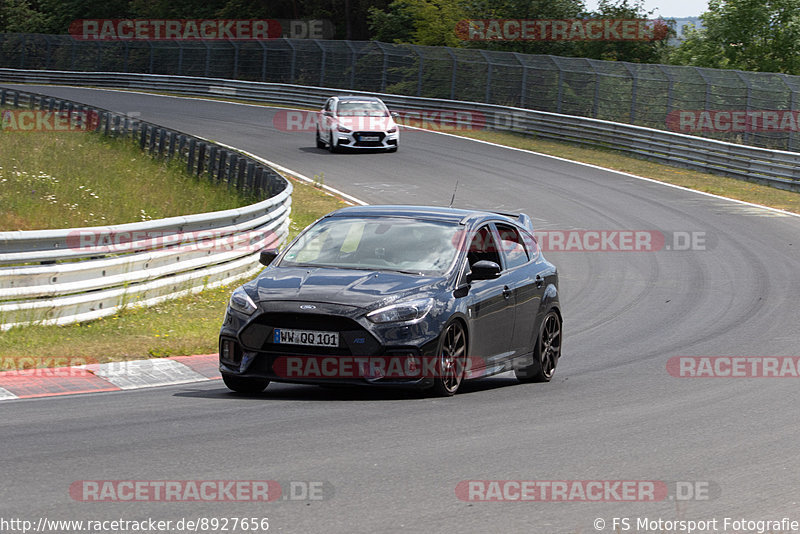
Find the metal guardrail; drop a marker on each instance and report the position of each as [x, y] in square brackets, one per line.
[70, 275]
[776, 168]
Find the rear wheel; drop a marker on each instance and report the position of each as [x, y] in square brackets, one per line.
[546, 353]
[247, 385]
[452, 358]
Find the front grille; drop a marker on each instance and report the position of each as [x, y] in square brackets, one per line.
[358, 135]
[354, 340]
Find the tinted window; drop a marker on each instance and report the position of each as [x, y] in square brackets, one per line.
[483, 246]
[512, 246]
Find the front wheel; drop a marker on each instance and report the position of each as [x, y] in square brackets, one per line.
[546, 353]
[332, 148]
[320, 142]
[393, 149]
[452, 359]
[246, 385]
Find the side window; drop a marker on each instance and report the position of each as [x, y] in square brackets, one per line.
[329, 104]
[512, 245]
[483, 246]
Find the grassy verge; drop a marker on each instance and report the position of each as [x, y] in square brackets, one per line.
[74, 179]
[183, 326]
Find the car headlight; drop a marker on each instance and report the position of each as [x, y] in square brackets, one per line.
[241, 302]
[410, 310]
[343, 129]
[393, 129]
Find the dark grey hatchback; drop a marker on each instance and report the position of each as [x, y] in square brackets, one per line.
[405, 296]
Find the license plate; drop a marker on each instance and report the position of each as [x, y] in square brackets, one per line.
[313, 338]
[370, 138]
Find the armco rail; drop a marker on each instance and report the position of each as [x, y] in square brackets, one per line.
[770, 167]
[69, 275]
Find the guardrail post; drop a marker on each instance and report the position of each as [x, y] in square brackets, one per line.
[116, 125]
[161, 140]
[212, 161]
[223, 156]
[154, 133]
[233, 161]
[259, 181]
[143, 136]
[240, 174]
[201, 156]
[190, 158]
[181, 145]
[251, 169]
[16, 99]
[2, 97]
[108, 123]
[173, 139]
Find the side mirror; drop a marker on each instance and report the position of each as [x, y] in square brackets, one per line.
[328, 113]
[395, 115]
[484, 270]
[267, 255]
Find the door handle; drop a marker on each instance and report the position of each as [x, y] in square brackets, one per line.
[539, 280]
[506, 292]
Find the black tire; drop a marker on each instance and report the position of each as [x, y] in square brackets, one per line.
[393, 149]
[546, 352]
[452, 359]
[320, 142]
[246, 385]
[332, 148]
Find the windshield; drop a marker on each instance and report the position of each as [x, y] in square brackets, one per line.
[365, 108]
[394, 244]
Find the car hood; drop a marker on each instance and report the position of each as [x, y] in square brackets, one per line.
[360, 288]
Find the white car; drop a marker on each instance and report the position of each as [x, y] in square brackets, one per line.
[362, 122]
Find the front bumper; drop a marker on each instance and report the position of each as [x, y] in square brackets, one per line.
[367, 354]
[367, 140]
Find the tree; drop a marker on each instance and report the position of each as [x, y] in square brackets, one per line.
[422, 22]
[755, 35]
[646, 51]
[20, 16]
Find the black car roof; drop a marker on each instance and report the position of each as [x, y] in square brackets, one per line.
[424, 212]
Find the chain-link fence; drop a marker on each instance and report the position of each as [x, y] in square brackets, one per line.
[644, 94]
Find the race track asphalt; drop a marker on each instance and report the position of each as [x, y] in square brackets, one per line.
[613, 412]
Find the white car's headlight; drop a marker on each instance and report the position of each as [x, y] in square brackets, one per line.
[241, 302]
[393, 129]
[410, 310]
[343, 129]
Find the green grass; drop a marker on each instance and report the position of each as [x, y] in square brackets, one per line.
[74, 179]
[184, 326]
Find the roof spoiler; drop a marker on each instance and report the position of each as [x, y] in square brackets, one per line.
[523, 219]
